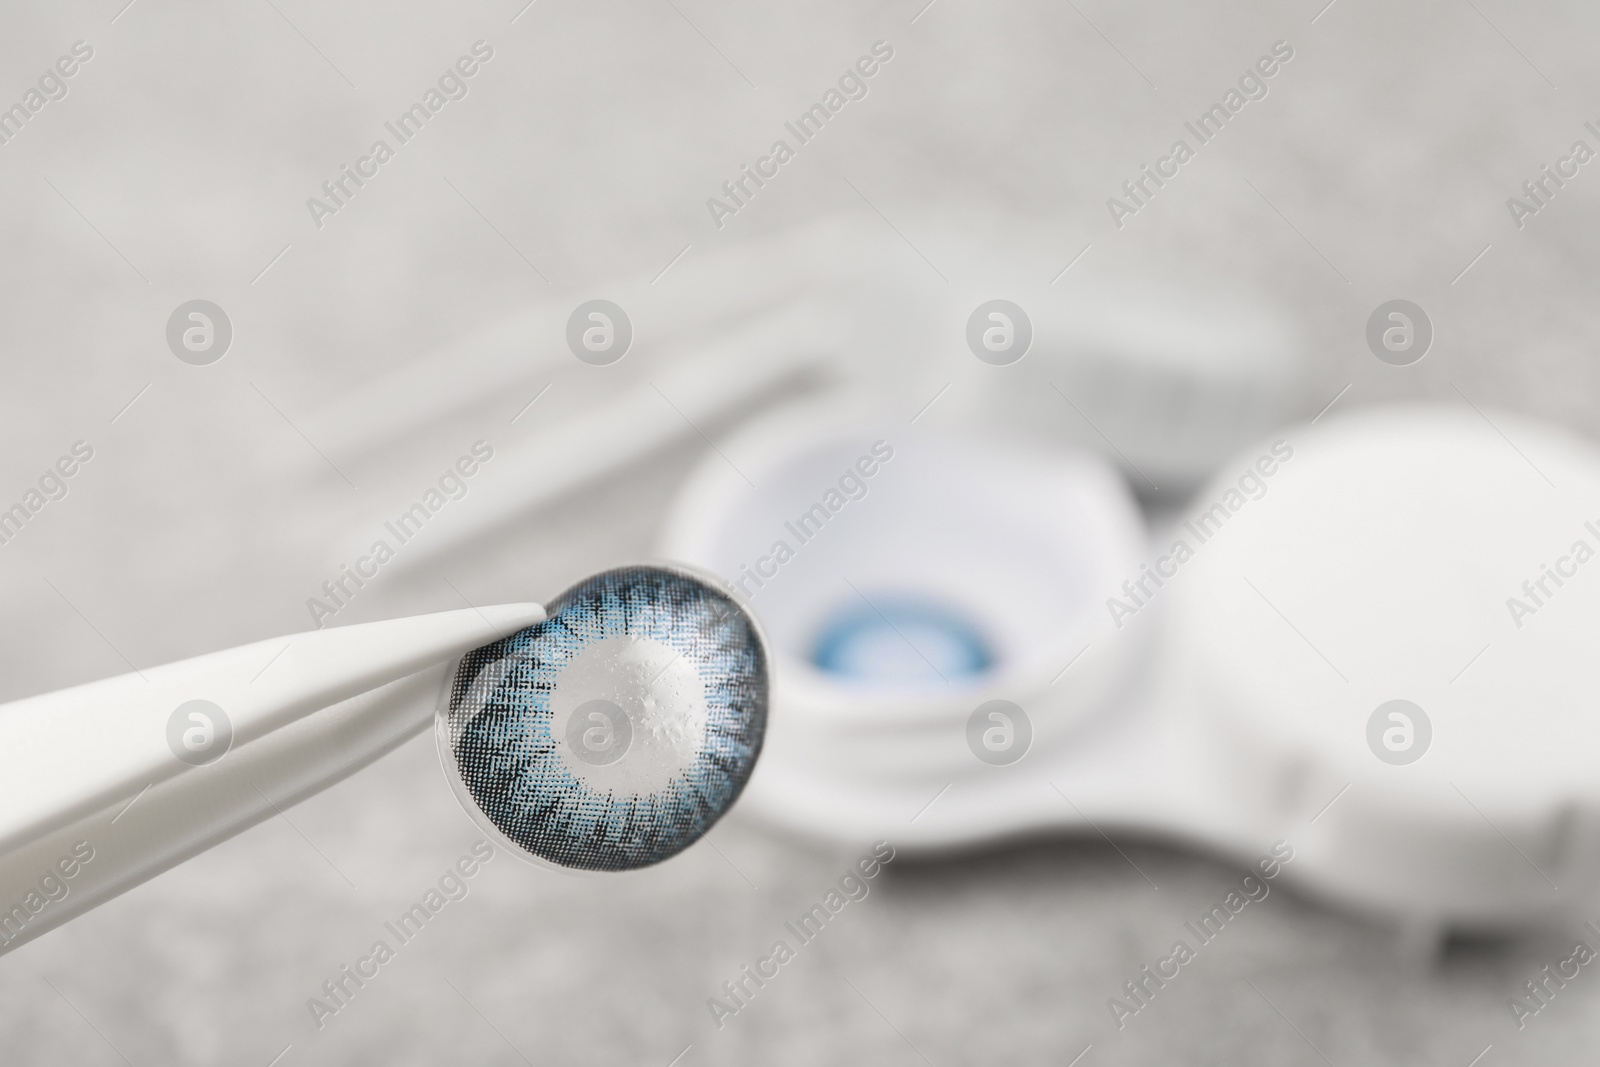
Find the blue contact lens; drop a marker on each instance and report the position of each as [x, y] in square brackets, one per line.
[616, 732]
[901, 640]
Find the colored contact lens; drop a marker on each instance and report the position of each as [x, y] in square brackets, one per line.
[615, 733]
[901, 640]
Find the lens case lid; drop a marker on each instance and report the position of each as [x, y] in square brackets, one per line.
[1385, 626]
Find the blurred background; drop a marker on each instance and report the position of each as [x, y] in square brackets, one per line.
[578, 165]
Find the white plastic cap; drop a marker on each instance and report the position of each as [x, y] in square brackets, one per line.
[1385, 560]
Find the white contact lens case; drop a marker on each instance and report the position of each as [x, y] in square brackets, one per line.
[1227, 696]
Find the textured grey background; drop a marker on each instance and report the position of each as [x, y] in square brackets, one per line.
[178, 167]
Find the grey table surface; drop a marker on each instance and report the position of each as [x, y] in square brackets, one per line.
[178, 166]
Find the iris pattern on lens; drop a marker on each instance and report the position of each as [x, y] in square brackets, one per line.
[615, 733]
